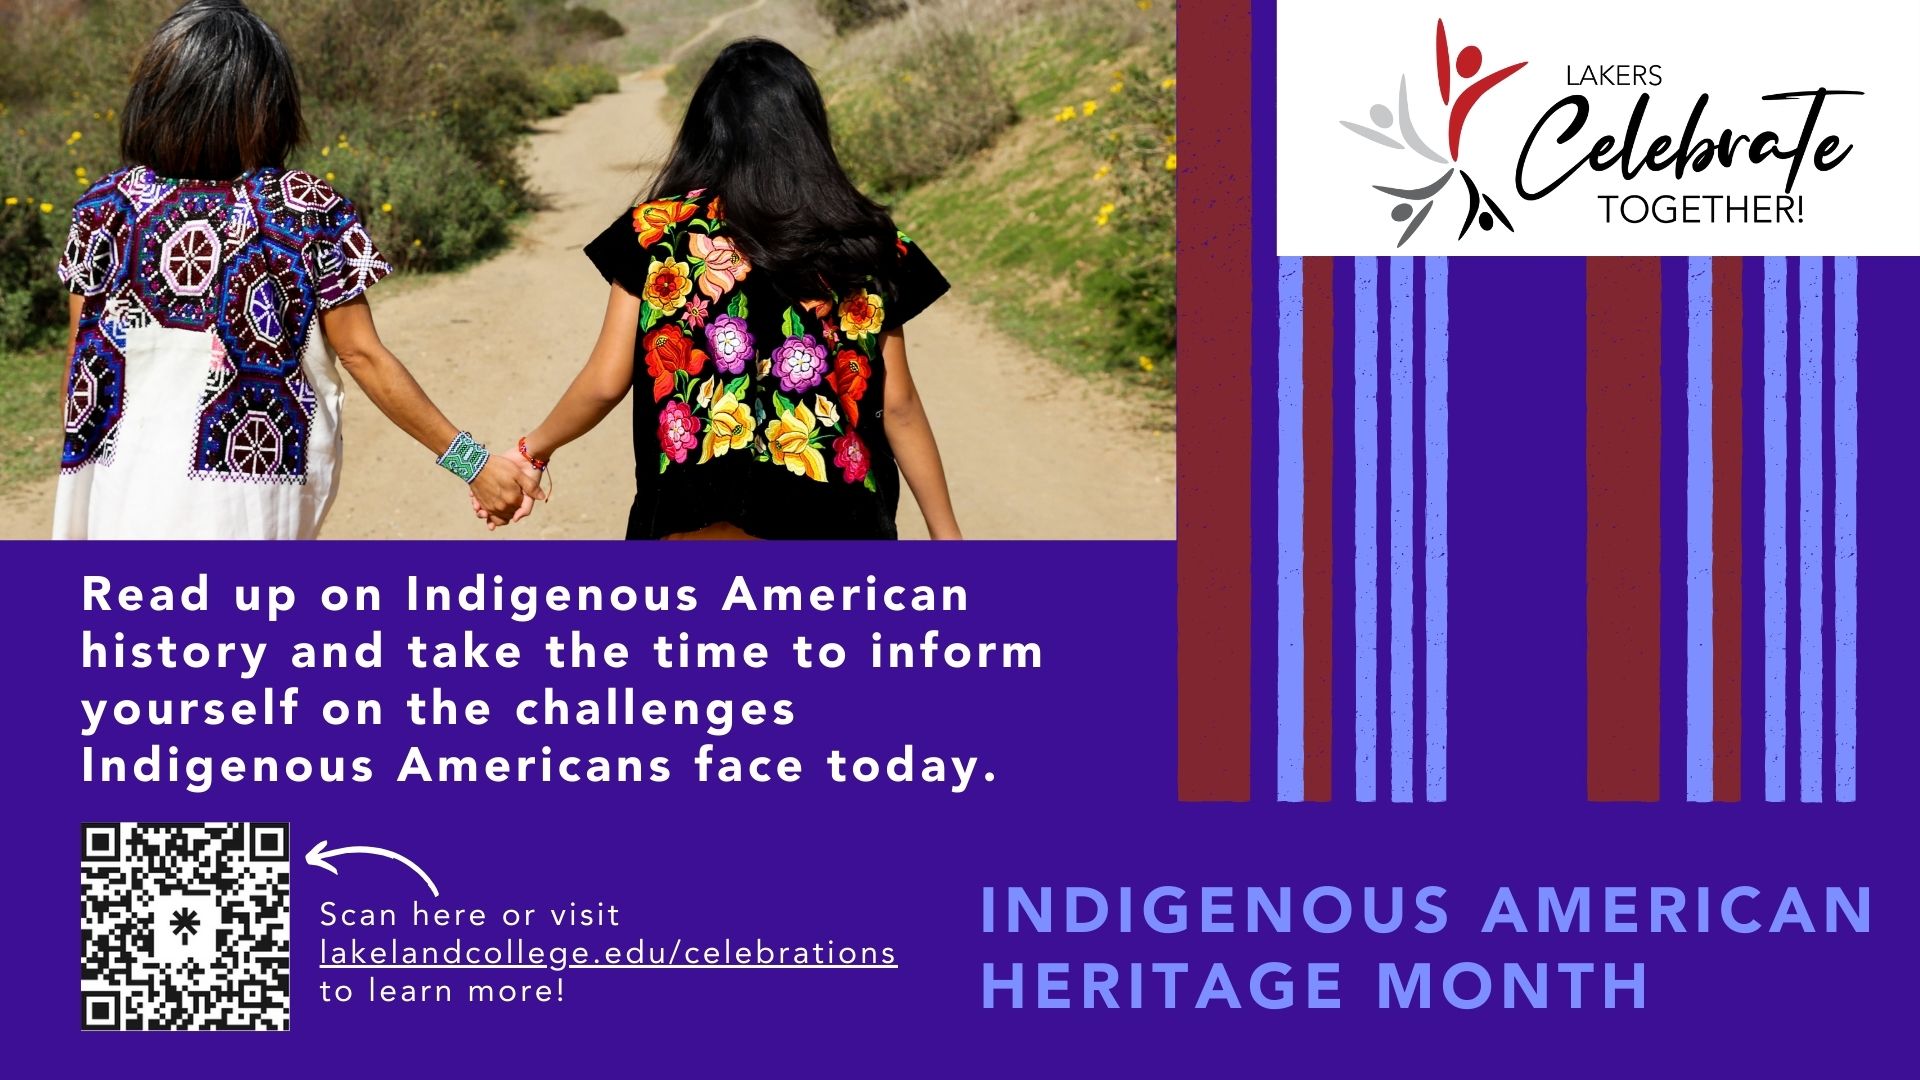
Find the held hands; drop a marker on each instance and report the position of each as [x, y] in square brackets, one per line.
[505, 490]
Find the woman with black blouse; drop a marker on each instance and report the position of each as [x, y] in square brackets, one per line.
[756, 309]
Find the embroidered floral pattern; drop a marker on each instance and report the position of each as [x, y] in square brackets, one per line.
[671, 359]
[800, 363]
[731, 385]
[862, 315]
[679, 431]
[731, 342]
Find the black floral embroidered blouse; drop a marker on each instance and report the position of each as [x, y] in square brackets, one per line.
[751, 406]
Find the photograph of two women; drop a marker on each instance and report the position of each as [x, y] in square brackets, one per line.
[287, 269]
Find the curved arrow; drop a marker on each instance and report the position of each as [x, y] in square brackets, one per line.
[319, 855]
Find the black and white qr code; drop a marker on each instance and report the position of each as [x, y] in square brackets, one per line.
[183, 927]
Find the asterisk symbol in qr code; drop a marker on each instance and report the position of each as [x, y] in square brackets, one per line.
[185, 923]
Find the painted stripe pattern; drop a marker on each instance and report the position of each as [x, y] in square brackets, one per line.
[1670, 368]
[1378, 347]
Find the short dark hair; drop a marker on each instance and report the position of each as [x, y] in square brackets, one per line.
[214, 95]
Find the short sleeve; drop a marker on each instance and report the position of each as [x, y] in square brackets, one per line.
[917, 283]
[617, 254]
[89, 261]
[346, 261]
[73, 256]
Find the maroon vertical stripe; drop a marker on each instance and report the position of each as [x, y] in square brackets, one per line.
[1215, 554]
[1623, 529]
[1317, 429]
[1728, 451]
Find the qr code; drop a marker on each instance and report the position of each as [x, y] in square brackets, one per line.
[183, 927]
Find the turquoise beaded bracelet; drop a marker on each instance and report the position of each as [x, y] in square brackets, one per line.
[465, 458]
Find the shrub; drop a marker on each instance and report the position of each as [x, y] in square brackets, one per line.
[850, 15]
[563, 86]
[941, 103]
[1131, 131]
[428, 204]
[685, 75]
[584, 23]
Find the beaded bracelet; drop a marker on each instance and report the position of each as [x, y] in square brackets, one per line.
[465, 458]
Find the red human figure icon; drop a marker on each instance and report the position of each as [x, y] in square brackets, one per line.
[1468, 65]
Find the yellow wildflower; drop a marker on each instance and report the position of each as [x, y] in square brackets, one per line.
[386, 208]
[1089, 107]
[1173, 162]
[326, 151]
[1146, 363]
[80, 171]
[12, 201]
[1101, 172]
[1144, 5]
[329, 177]
[46, 208]
[1167, 83]
[73, 138]
[1063, 115]
[1116, 87]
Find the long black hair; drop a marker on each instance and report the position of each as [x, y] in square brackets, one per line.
[756, 134]
[214, 95]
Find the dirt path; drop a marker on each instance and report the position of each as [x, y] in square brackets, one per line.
[1031, 452]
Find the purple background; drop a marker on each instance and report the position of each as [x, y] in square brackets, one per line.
[1084, 753]
[1763, 1005]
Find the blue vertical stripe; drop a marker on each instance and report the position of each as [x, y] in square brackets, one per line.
[1436, 528]
[1366, 474]
[1291, 773]
[1400, 481]
[1774, 436]
[1813, 497]
[1846, 521]
[1699, 530]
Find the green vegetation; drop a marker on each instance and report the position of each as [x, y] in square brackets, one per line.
[29, 412]
[943, 104]
[850, 15]
[1029, 144]
[416, 111]
[1063, 227]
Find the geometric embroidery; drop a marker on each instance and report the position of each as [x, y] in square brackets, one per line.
[304, 191]
[359, 265]
[265, 309]
[180, 254]
[251, 263]
[93, 259]
[97, 378]
[254, 427]
[142, 188]
[121, 315]
[189, 258]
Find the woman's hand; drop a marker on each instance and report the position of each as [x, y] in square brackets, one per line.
[505, 490]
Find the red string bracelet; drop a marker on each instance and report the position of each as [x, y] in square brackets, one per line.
[531, 460]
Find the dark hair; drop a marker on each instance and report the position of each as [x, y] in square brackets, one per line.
[756, 134]
[213, 96]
